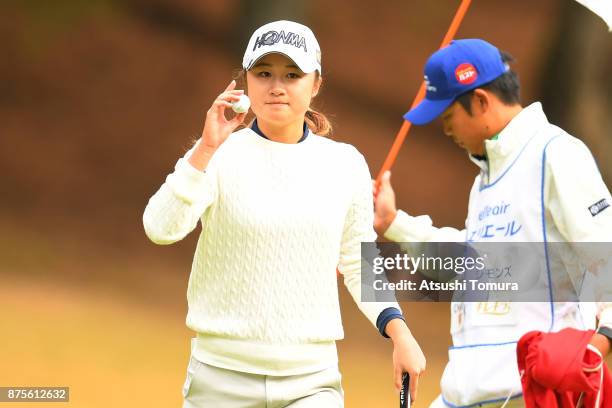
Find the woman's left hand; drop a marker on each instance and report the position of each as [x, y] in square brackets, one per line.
[407, 356]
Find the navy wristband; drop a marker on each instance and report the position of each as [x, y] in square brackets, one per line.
[385, 317]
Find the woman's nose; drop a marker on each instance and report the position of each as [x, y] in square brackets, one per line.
[277, 88]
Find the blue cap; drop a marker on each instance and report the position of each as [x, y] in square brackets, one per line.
[461, 66]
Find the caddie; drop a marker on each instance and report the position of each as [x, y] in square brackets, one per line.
[533, 176]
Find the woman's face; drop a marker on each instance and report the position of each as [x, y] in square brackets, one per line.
[280, 92]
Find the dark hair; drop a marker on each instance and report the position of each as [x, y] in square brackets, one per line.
[506, 87]
[316, 121]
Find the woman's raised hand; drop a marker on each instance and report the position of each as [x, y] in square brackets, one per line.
[217, 127]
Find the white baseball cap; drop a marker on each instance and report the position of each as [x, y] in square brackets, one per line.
[289, 38]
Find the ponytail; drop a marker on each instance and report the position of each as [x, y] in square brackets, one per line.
[317, 123]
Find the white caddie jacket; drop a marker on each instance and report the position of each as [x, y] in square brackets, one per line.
[537, 184]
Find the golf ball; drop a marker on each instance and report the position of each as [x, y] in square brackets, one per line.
[241, 105]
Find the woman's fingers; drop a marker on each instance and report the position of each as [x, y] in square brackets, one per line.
[217, 126]
[225, 100]
[230, 96]
[397, 377]
[238, 119]
[414, 385]
[231, 85]
[226, 97]
[218, 111]
[221, 102]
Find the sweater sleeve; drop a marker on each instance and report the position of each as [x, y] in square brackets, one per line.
[174, 210]
[358, 228]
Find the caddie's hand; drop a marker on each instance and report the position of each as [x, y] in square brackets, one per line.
[384, 204]
[217, 127]
[602, 343]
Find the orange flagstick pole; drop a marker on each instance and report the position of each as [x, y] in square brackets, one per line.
[403, 132]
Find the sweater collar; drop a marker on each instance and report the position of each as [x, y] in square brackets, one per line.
[256, 129]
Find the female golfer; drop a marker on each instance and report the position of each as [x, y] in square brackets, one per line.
[281, 208]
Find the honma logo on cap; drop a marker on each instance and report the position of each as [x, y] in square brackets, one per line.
[272, 37]
[466, 73]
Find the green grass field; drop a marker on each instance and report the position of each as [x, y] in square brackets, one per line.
[116, 352]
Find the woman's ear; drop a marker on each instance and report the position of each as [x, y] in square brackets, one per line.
[317, 85]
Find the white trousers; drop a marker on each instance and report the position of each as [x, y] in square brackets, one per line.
[513, 403]
[208, 386]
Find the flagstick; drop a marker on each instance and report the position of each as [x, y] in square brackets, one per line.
[403, 132]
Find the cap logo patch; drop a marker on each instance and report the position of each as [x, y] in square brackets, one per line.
[273, 37]
[466, 73]
[429, 86]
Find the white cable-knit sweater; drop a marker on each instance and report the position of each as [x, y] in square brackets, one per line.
[277, 219]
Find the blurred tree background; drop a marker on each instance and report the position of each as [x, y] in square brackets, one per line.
[577, 81]
[98, 99]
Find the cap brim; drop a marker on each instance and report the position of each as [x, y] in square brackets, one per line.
[427, 110]
[302, 65]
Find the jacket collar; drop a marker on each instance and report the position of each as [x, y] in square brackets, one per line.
[512, 138]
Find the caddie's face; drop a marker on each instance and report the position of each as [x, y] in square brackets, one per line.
[280, 92]
[464, 129]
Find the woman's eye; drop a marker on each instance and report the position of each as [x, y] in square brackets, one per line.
[293, 75]
[263, 74]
